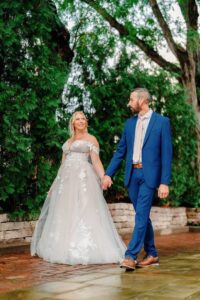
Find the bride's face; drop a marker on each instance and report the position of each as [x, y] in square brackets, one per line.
[80, 122]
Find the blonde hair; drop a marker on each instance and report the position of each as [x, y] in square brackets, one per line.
[71, 122]
[142, 92]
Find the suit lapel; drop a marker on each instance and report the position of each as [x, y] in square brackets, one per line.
[150, 126]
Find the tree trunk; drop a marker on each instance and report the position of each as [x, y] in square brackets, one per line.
[61, 36]
[189, 82]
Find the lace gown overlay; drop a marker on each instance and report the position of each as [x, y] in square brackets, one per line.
[75, 225]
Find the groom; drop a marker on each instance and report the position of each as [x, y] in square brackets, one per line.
[146, 143]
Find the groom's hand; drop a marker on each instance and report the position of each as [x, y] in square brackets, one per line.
[106, 182]
[163, 191]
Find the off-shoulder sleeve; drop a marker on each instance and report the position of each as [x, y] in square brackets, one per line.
[94, 148]
[95, 159]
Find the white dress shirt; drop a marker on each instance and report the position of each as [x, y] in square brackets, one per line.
[146, 118]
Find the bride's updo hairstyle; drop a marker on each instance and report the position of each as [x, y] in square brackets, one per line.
[71, 122]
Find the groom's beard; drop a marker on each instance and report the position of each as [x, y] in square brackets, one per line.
[135, 109]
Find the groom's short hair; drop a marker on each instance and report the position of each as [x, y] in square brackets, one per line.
[142, 92]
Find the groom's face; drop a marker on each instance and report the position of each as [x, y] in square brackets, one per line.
[134, 103]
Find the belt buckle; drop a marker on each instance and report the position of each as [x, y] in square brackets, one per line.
[137, 166]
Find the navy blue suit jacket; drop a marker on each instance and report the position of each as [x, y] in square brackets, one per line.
[156, 151]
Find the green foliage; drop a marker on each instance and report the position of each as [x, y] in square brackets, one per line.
[172, 101]
[32, 78]
[32, 117]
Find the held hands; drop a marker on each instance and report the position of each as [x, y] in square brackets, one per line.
[163, 191]
[106, 182]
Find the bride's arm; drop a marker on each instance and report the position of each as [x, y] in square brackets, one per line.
[96, 161]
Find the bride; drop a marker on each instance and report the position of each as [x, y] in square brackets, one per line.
[75, 225]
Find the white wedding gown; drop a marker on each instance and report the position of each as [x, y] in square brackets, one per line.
[75, 225]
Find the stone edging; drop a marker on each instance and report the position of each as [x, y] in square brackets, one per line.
[165, 221]
[15, 230]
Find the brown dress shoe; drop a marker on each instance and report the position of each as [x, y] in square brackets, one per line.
[128, 264]
[148, 261]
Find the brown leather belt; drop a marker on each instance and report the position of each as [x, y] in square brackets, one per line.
[137, 166]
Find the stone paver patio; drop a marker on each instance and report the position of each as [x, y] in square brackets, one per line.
[177, 277]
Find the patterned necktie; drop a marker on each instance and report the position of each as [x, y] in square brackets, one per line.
[138, 140]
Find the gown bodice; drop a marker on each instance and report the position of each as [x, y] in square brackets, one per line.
[79, 150]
